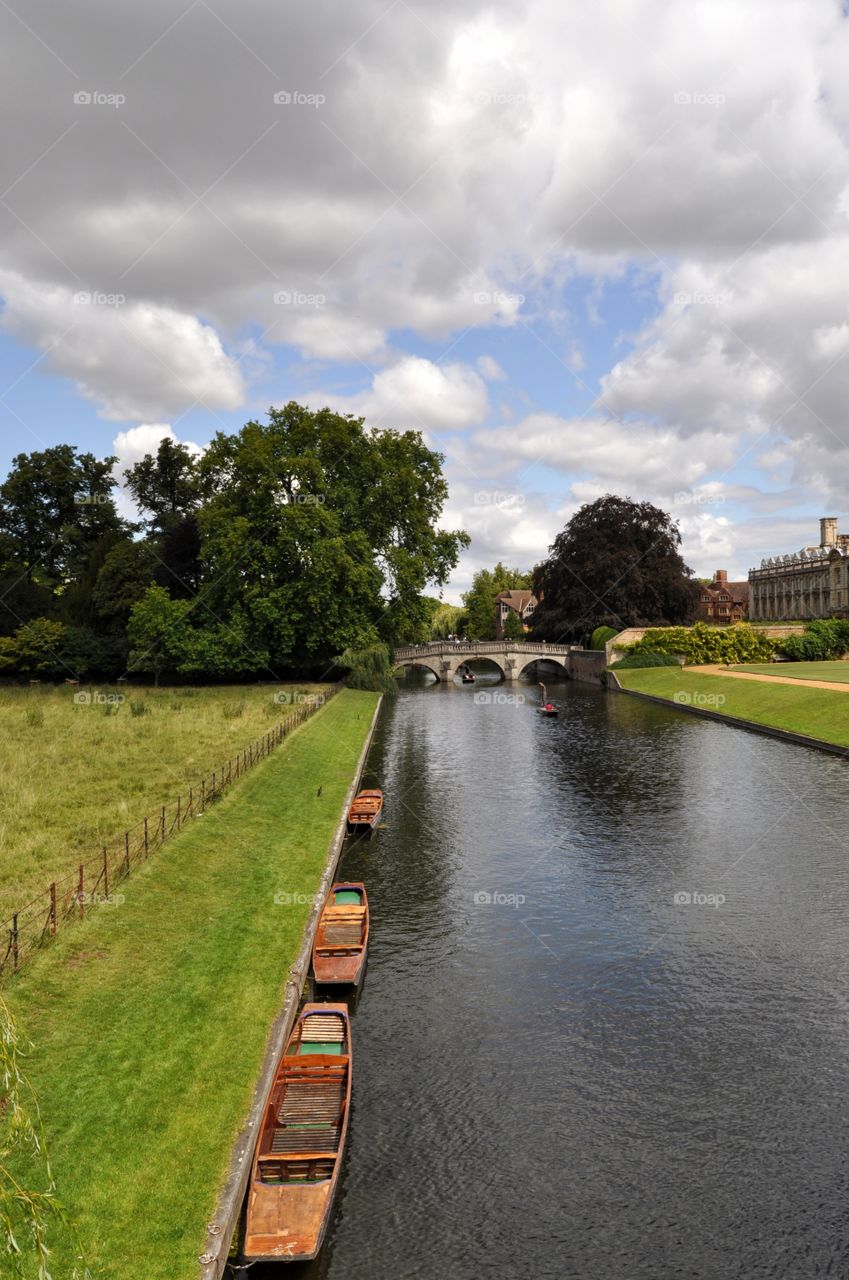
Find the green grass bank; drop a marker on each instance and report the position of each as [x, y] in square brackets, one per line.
[149, 1019]
[817, 713]
[836, 672]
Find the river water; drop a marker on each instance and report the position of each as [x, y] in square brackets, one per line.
[560, 1070]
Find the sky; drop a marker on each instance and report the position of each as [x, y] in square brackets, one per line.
[582, 248]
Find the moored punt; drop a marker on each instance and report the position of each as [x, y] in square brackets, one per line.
[299, 1153]
[341, 938]
[365, 810]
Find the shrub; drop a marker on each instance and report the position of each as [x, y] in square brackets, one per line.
[601, 635]
[823, 638]
[701, 643]
[138, 708]
[645, 660]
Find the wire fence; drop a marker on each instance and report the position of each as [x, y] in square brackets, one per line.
[93, 882]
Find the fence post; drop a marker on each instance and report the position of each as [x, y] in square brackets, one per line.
[162, 824]
[145, 838]
[15, 941]
[212, 792]
[229, 772]
[179, 814]
[105, 872]
[80, 892]
[53, 909]
[127, 852]
[251, 757]
[203, 794]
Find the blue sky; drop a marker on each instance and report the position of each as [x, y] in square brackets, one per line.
[584, 251]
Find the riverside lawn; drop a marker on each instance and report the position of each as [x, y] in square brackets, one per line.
[818, 713]
[149, 1020]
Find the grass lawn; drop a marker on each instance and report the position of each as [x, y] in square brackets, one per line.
[819, 713]
[149, 1019]
[838, 672]
[75, 774]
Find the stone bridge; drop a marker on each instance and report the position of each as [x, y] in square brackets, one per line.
[443, 657]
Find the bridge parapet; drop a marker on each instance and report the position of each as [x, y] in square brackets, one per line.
[444, 657]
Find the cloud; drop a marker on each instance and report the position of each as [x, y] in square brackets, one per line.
[134, 359]
[416, 393]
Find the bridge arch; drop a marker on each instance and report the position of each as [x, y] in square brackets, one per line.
[523, 670]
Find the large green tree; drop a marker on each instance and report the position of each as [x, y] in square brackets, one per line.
[56, 506]
[322, 533]
[166, 488]
[616, 563]
[479, 600]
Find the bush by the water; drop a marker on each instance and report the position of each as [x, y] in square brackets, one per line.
[601, 635]
[645, 660]
[702, 643]
[368, 668]
[823, 638]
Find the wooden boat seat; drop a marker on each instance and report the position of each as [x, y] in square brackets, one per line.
[323, 1028]
[306, 1140]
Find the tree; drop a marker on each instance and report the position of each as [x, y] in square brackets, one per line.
[167, 489]
[616, 563]
[479, 600]
[159, 633]
[322, 533]
[55, 506]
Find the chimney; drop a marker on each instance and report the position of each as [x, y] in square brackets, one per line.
[721, 575]
[828, 531]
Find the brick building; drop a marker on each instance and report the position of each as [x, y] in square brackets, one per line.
[724, 601]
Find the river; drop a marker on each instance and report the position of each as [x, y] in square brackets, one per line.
[562, 1066]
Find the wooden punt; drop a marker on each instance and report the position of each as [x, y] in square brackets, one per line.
[341, 939]
[299, 1153]
[366, 810]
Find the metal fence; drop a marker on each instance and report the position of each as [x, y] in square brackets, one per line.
[93, 882]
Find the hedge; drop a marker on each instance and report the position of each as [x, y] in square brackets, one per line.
[701, 643]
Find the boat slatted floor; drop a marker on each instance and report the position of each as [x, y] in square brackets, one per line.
[343, 935]
[310, 1101]
[289, 1140]
[323, 1027]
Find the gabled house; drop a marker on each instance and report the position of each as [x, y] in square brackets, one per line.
[522, 603]
[724, 601]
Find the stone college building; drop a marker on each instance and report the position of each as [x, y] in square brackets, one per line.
[812, 583]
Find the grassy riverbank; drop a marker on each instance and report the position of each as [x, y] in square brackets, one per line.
[835, 672]
[819, 713]
[77, 772]
[149, 1019]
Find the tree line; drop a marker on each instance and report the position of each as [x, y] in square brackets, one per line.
[277, 548]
